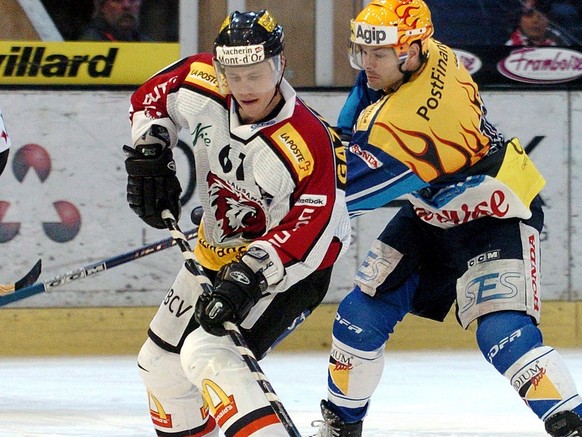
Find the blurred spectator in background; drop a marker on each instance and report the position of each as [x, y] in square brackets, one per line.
[115, 20]
[532, 27]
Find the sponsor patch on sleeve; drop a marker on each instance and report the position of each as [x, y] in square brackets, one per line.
[295, 148]
[371, 161]
[203, 75]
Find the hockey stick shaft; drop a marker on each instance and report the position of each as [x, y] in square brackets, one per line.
[196, 269]
[89, 270]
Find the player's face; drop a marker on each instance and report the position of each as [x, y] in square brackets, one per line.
[253, 87]
[381, 66]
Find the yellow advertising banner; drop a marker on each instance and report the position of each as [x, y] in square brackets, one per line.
[82, 63]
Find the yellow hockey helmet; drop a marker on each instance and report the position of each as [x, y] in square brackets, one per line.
[395, 23]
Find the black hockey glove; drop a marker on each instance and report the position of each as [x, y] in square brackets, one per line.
[236, 290]
[152, 185]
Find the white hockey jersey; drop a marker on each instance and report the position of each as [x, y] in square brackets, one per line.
[278, 184]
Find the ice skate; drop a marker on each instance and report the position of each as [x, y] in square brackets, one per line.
[564, 424]
[333, 426]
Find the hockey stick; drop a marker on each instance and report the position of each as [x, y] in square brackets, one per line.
[196, 269]
[9, 295]
[28, 279]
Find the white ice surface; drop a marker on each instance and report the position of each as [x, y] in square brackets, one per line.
[422, 394]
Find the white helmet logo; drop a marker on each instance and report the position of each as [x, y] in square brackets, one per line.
[366, 34]
[243, 55]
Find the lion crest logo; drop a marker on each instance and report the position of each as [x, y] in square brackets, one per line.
[236, 212]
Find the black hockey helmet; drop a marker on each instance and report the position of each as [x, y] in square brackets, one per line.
[256, 29]
[247, 38]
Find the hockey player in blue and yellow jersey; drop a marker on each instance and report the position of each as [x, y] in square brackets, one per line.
[468, 233]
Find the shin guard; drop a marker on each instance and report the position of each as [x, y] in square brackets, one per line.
[176, 406]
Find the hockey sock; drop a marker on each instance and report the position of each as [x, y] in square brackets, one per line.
[365, 322]
[360, 331]
[544, 383]
[353, 375]
[513, 344]
[505, 336]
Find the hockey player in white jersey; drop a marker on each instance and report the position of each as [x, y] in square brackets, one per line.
[270, 176]
[467, 235]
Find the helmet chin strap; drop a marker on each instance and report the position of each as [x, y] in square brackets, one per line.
[278, 84]
[408, 73]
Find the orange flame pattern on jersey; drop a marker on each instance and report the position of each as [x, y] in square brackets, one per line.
[431, 155]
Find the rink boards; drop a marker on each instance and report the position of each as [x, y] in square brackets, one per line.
[121, 331]
[65, 188]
